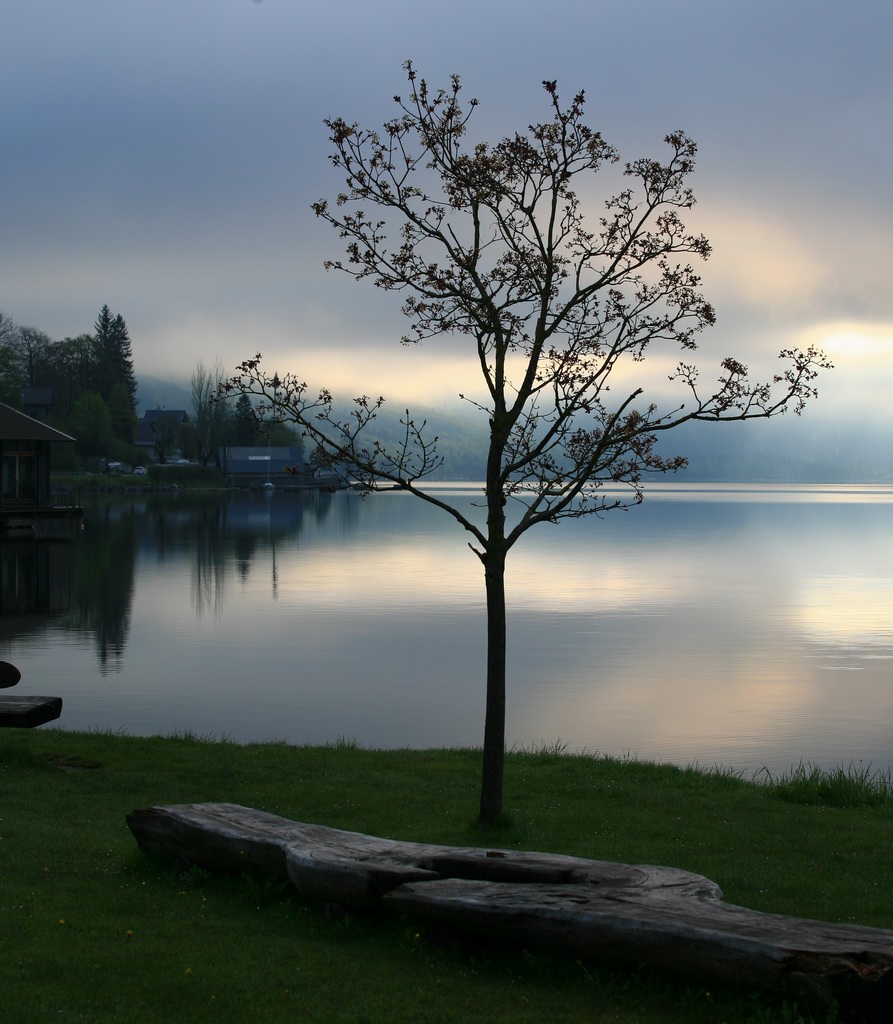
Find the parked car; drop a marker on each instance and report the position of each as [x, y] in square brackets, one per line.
[140, 471]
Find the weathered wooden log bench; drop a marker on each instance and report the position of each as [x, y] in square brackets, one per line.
[615, 913]
[24, 712]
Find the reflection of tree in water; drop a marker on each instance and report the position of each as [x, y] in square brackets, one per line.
[90, 591]
[87, 587]
[322, 505]
[230, 534]
[210, 567]
[244, 549]
[104, 559]
[221, 547]
[246, 525]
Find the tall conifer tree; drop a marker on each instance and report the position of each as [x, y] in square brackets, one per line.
[123, 357]
[103, 353]
[114, 361]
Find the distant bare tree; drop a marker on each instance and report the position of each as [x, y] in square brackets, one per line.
[490, 244]
[33, 346]
[70, 371]
[209, 416]
[167, 436]
[9, 330]
[10, 365]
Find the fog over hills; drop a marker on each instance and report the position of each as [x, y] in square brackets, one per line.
[155, 393]
[787, 449]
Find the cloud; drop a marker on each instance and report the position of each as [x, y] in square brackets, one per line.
[163, 158]
[761, 261]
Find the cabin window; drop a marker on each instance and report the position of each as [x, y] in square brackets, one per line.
[19, 478]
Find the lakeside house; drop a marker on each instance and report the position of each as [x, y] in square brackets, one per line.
[158, 430]
[38, 403]
[26, 506]
[279, 465]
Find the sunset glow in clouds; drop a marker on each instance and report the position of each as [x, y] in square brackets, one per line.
[163, 158]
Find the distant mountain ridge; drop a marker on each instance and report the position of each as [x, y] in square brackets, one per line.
[155, 393]
[788, 449]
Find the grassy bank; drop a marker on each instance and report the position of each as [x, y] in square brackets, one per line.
[92, 930]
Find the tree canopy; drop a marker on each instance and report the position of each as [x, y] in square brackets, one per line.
[89, 366]
[113, 355]
[560, 309]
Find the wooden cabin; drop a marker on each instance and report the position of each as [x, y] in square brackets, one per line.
[26, 505]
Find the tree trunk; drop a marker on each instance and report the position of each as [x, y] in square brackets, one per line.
[494, 723]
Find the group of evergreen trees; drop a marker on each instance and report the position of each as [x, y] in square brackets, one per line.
[95, 394]
[91, 375]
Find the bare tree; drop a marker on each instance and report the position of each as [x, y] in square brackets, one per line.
[70, 371]
[33, 346]
[166, 432]
[10, 365]
[490, 243]
[8, 329]
[209, 416]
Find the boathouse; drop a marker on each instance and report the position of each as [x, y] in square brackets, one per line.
[278, 466]
[26, 506]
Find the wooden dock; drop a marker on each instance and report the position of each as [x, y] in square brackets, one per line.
[28, 712]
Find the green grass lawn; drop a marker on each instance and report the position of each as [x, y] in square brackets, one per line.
[93, 930]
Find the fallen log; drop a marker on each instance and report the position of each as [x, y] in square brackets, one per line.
[334, 866]
[618, 913]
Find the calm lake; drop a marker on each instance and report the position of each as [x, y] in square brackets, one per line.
[745, 626]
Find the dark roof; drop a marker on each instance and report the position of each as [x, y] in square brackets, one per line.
[154, 415]
[256, 461]
[147, 427]
[16, 426]
[37, 396]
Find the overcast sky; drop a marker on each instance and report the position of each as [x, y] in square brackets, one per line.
[161, 156]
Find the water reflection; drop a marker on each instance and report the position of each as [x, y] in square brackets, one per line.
[736, 625]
